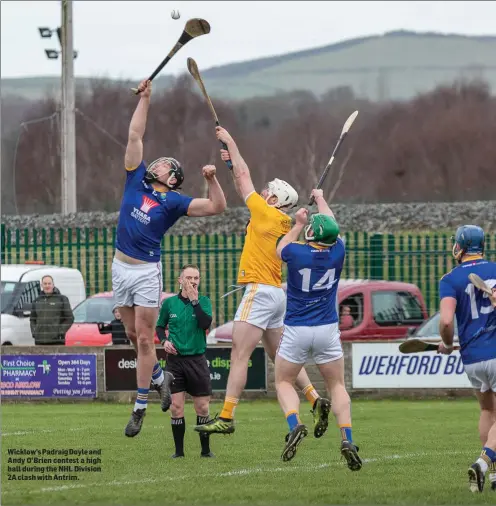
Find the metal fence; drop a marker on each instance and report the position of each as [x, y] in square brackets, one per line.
[419, 258]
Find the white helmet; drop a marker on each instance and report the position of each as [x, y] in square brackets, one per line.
[285, 193]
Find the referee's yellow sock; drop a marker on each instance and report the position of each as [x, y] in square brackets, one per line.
[311, 394]
[230, 404]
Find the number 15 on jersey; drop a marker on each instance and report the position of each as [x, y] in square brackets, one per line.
[484, 309]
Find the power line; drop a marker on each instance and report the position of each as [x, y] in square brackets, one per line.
[22, 127]
[100, 128]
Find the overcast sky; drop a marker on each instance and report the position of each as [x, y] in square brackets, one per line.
[128, 39]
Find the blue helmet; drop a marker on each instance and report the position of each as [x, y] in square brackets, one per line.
[469, 240]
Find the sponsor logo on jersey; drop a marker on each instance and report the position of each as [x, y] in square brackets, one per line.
[148, 204]
[141, 214]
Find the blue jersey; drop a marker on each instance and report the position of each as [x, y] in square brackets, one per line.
[312, 287]
[475, 316]
[145, 216]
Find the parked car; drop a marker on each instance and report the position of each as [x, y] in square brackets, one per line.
[19, 288]
[95, 309]
[429, 330]
[380, 310]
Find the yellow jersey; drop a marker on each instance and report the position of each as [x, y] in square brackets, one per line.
[259, 262]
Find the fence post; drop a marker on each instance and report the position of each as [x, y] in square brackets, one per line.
[4, 241]
[376, 257]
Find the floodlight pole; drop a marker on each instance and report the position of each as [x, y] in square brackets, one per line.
[68, 138]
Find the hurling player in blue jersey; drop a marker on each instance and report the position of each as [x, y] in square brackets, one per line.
[311, 328]
[476, 318]
[150, 206]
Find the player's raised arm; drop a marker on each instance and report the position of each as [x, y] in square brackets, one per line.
[134, 149]
[301, 218]
[240, 172]
[322, 205]
[216, 202]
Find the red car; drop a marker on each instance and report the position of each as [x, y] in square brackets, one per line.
[87, 315]
[378, 310]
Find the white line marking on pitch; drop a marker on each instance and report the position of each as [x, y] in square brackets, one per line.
[236, 472]
[41, 431]
[73, 429]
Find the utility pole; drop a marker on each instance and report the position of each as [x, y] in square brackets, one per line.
[68, 141]
[68, 120]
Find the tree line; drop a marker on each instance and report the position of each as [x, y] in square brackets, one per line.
[439, 146]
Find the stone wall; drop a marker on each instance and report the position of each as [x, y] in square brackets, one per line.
[353, 217]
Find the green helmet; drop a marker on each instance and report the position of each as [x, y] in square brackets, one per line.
[322, 229]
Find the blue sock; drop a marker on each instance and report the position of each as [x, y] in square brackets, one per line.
[346, 433]
[157, 374]
[490, 454]
[141, 399]
[293, 419]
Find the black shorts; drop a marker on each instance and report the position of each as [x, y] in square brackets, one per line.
[191, 374]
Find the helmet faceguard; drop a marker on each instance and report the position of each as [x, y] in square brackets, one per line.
[285, 193]
[176, 172]
[322, 229]
[468, 240]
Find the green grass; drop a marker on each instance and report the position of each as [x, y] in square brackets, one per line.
[416, 453]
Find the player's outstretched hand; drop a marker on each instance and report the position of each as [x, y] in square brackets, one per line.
[223, 135]
[317, 193]
[225, 155]
[170, 348]
[443, 350]
[301, 216]
[145, 88]
[209, 171]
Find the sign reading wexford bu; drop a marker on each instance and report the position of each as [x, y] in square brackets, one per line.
[382, 365]
[61, 375]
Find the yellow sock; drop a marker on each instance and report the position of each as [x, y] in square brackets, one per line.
[230, 404]
[311, 394]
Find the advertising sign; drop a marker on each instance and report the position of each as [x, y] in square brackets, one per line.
[120, 369]
[382, 365]
[57, 375]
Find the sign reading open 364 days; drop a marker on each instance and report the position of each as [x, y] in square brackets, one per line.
[120, 369]
[48, 375]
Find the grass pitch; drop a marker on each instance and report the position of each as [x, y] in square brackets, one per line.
[414, 453]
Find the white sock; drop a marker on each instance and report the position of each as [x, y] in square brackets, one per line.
[140, 405]
[141, 399]
[160, 379]
[483, 464]
[492, 472]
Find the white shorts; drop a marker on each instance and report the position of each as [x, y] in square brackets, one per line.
[263, 306]
[321, 343]
[482, 375]
[136, 284]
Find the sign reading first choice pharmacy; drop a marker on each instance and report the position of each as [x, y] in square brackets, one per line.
[57, 375]
[120, 368]
[382, 365]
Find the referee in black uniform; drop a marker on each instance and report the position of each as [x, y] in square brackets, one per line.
[188, 316]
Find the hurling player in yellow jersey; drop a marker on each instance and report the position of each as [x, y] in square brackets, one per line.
[261, 312]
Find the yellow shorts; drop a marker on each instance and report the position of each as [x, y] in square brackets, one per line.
[263, 306]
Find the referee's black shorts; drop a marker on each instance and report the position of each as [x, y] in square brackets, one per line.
[191, 374]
